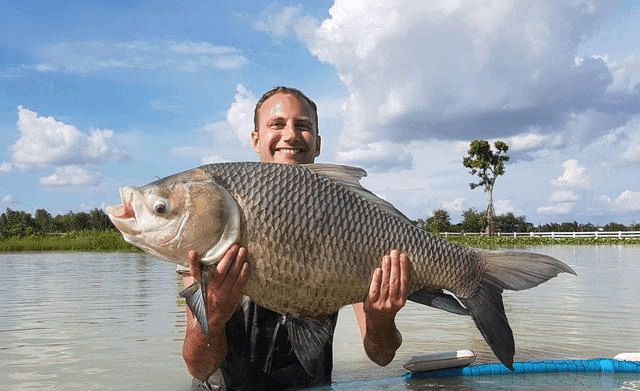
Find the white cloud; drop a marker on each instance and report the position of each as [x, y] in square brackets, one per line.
[6, 167]
[456, 205]
[278, 21]
[462, 70]
[72, 175]
[533, 140]
[45, 141]
[561, 196]
[95, 56]
[240, 114]
[627, 201]
[555, 209]
[569, 185]
[9, 200]
[377, 156]
[573, 177]
[506, 206]
[626, 74]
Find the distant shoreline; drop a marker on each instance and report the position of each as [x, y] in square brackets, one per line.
[107, 241]
[112, 241]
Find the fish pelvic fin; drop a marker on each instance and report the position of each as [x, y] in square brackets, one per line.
[308, 337]
[513, 271]
[438, 299]
[197, 301]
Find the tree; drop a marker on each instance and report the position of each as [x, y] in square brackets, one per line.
[510, 223]
[439, 221]
[488, 165]
[472, 221]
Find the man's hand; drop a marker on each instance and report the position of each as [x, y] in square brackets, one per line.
[376, 316]
[225, 283]
[202, 355]
[388, 289]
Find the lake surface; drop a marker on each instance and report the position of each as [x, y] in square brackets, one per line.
[112, 321]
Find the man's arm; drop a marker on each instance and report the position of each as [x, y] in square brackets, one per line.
[376, 316]
[203, 356]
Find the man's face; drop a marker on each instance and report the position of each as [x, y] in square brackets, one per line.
[287, 132]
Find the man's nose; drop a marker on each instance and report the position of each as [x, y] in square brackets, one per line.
[289, 132]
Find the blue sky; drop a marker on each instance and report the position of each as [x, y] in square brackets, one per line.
[105, 94]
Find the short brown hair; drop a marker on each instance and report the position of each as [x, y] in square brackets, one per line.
[284, 90]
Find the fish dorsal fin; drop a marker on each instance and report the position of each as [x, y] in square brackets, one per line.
[349, 177]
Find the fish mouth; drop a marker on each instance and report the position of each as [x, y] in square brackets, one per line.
[122, 215]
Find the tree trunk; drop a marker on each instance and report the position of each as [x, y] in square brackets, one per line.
[490, 229]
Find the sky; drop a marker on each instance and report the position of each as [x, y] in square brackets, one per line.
[98, 95]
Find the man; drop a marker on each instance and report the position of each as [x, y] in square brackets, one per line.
[248, 346]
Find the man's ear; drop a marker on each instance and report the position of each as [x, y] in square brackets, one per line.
[318, 144]
[255, 141]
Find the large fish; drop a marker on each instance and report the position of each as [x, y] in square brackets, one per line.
[314, 237]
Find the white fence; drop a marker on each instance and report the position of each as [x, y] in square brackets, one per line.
[558, 235]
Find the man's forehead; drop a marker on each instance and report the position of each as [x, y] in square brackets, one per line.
[274, 106]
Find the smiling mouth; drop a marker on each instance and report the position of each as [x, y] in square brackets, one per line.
[290, 151]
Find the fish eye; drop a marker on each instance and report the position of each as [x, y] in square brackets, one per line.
[160, 207]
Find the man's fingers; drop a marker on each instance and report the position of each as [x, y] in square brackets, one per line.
[194, 264]
[374, 288]
[384, 282]
[224, 265]
[394, 274]
[404, 276]
[236, 267]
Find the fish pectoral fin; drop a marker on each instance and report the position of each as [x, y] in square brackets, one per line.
[308, 337]
[438, 299]
[194, 297]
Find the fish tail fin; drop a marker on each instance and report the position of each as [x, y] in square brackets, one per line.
[197, 301]
[487, 312]
[513, 271]
[516, 271]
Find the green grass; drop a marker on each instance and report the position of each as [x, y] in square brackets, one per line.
[73, 241]
[112, 241]
[509, 242]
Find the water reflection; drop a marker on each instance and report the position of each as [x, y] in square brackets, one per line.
[86, 321]
[91, 321]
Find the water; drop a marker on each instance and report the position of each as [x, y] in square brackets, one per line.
[110, 321]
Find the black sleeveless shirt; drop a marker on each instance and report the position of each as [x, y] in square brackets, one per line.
[260, 357]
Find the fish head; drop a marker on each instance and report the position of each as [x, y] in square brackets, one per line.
[169, 217]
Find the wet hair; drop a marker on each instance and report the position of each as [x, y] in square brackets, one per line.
[284, 90]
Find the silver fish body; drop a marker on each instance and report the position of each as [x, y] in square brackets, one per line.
[314, 237]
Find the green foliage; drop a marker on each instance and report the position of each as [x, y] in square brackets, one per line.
[71, 241]
[510, 223]
[19, 223]
[439, 221]
[488, 165]
[483, 162]
[473, 221]
[492, 242]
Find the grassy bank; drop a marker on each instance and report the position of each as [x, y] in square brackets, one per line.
[509, 242]
[112, 241]
[73, 241]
